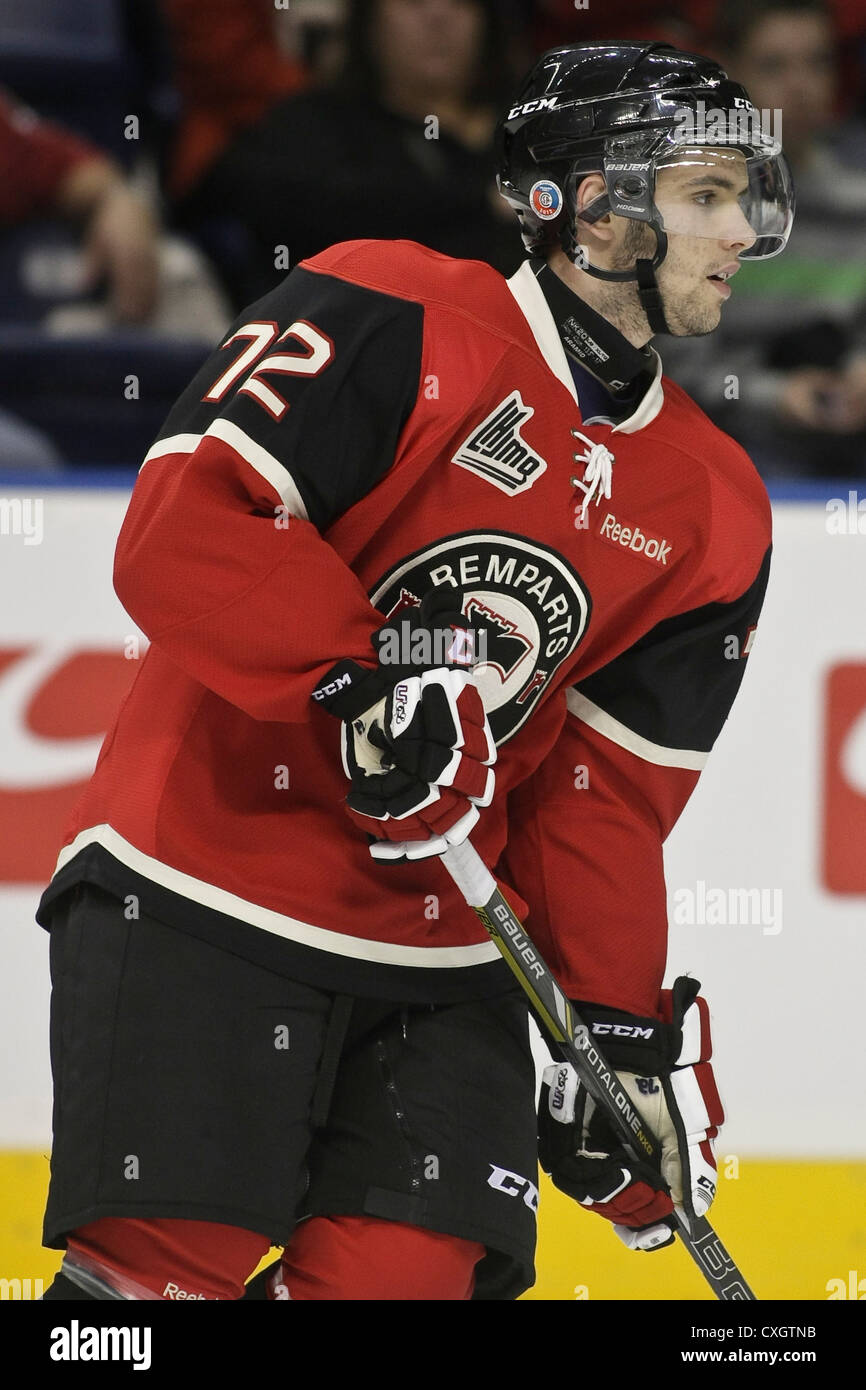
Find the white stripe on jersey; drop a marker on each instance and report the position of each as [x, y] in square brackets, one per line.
[265, 918]
[626, 738]
[252, 453]
[175, 444]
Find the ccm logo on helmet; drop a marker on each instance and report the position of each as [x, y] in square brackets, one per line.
[538, 104]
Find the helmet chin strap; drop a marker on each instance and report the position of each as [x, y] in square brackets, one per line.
[650, 295]
[644, 270]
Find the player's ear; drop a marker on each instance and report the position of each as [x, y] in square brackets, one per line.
[592, 188]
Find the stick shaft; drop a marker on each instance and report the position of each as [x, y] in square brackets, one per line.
[570, 1040]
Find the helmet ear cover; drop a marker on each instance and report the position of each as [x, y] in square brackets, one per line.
[630, 185]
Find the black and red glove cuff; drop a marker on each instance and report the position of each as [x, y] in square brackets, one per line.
[349, 688]
[634, 1043]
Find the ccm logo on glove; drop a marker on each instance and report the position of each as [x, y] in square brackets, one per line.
[416, 742]
[622, 1030]
[332, 687]
[664, 1068]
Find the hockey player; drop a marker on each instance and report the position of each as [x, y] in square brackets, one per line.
[466, 530]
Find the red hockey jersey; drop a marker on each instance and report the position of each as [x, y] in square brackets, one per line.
[387, 420]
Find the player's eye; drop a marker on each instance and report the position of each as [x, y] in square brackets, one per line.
[704, 199]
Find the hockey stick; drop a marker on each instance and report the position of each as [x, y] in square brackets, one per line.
[571, 1042]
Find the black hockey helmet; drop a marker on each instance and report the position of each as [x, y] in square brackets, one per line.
[627, 109]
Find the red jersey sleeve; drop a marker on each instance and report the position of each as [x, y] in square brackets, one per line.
[586, 830]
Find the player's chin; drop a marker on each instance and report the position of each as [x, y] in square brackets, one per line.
[694, 326]
[699, 317]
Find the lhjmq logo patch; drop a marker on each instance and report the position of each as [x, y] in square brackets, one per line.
[529, 604]
[496, 450]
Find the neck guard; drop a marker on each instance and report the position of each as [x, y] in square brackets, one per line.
[588, 338]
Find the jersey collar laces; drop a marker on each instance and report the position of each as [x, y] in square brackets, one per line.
[597, 475]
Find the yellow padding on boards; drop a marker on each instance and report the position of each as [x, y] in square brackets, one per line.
[797, 1230]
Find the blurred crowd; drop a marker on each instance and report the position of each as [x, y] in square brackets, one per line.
[163, 163]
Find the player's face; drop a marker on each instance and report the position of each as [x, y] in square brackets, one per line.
[707, 230]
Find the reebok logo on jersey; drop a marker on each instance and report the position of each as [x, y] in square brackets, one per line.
[496, 451]
[632, 538]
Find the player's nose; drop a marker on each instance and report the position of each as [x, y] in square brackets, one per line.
[740, 235]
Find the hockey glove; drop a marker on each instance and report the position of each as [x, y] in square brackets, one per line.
[417, 745]
[664, 1068]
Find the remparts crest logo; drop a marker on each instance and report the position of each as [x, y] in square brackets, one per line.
[526, 602]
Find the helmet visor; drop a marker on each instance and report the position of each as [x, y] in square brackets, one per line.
[726, 195]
